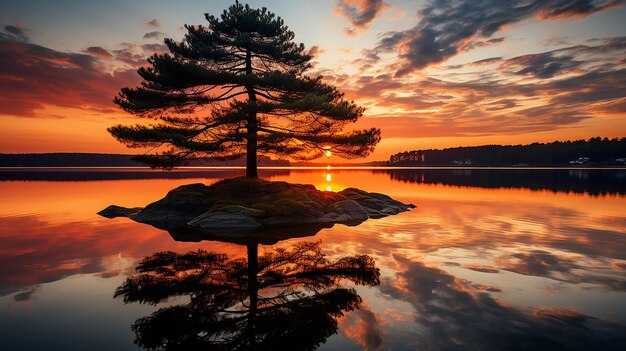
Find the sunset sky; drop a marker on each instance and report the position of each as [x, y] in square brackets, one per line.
[430, 73]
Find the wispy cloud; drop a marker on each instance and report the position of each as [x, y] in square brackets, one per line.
[154, 35]
[153, 23]
[447, 27]
[98, 51]
[18, 31]
[39, 76]
[453, 313]
[543, 91]
[360, 13]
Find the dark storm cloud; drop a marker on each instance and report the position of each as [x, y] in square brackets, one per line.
[34, 76]
[359, 13]
[446, 26]
[453, 314]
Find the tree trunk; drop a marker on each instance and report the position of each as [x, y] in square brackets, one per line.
[251, 160]
[253, 290]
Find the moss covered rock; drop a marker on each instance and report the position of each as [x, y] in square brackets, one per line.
[243, 203]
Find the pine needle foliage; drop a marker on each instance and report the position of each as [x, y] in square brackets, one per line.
[237, 87]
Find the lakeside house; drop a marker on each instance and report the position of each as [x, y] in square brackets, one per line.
[580, 161]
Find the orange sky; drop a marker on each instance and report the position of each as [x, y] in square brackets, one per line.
[550, 73]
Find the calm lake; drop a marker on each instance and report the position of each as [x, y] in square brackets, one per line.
[489, 259]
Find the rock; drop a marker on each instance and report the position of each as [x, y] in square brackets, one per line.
[377, 205]
[236, 209]
[224, 220]
[178, 207]
[228, 217]
[118, 211]
[250, 204]
[294, 213]
[348, 211]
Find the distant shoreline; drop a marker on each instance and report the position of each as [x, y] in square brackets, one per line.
[320, 167]
[124, 161]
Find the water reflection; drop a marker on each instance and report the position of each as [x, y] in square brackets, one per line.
[286, 298]
[590, 181]
[473, 267]
[453, 313]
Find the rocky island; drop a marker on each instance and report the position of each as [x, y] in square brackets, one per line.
[241, 205]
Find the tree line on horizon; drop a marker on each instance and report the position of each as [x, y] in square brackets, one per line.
[594, 151]
[75, 159]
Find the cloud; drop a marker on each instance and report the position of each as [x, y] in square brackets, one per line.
[486, 61]
[18, 31]
[544, 65]
[455, 314]
[26, 295]
[575, 8]
[545, 264]
[536, 92]
[135, 55]
[37, 76]
[447, 27]
[360, 13]
[315, 51]
[364, 327]
[570, 59]
[98, 51]
[471, 45]
[153, 23]
[154, 35]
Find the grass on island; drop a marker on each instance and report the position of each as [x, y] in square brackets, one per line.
[259, 197]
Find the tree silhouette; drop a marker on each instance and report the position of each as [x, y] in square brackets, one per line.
[286, 299]
[237, 87]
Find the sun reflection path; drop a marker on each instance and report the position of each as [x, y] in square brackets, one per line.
[328, 174]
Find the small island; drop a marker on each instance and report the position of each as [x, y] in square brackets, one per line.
[250, 204]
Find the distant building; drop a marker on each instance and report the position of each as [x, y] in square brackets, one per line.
[580, 161]
[467, 162]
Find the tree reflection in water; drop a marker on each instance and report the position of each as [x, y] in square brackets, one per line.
[285, 299]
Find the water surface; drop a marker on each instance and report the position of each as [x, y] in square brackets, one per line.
[490, 259]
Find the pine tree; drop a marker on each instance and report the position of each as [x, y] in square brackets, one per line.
[238, 87]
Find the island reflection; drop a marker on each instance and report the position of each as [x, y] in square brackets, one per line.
[286, 298]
